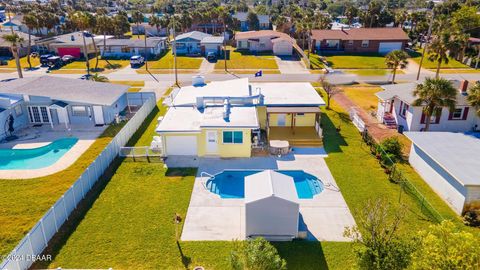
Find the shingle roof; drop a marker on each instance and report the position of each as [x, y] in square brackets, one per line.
[395, 33]
[64, 89]
[193, 35]
[261, 33]
[134, 43]
[270, 183]
[242, 16]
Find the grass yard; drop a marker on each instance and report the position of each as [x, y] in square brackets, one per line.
[23, 63]
[135, 86]
[24, 202]
[183, 62]
[356, 61]
[315, 61]
[103, 65]
[363, 95]
[245, 60]
[452, 63]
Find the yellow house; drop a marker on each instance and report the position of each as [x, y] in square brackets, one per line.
[230, 118]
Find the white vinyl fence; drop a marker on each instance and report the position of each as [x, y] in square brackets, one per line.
[356, 120]
[32, 245]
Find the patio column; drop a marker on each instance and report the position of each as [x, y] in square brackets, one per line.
[49, 116]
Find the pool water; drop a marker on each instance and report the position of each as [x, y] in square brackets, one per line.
[230, 184]
[35, 158]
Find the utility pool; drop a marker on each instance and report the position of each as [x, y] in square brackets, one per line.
[35, 158]
[230, 184]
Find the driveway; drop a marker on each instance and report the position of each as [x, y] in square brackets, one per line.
[290, 65]
[206, 67]
[211, 218]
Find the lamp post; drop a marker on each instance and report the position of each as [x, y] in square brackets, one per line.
[225, 47]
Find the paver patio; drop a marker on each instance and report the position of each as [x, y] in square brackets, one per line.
[211, 218]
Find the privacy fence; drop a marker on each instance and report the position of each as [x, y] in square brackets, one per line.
[32, 245]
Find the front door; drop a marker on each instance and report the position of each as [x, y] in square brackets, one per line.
[281, 119]
[38, 114]
[212, 142]
[98, 115]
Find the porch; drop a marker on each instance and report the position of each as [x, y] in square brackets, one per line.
[296, 136]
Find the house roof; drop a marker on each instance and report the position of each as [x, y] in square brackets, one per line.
[66, 90]
[457, 153]
[24, 36]
[197, 35]
[270, 183]
[190, 119]
[242, 16]
[74, 38]
[404, 92]
[261, 33]
[288, 94]
[133, 43]
[394, 33]
[212, 40]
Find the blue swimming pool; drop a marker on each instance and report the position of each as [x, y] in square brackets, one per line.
[230, 184]
[35, 158]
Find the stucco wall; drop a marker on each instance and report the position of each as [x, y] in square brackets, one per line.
[226, 149]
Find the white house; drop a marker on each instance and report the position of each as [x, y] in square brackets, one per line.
[128, 47]
[271, 206]
[450, 163]
[263, 21]
[264, 41]
[395, 108]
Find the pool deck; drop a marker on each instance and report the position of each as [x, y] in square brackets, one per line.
[45, 135]
[211, 218]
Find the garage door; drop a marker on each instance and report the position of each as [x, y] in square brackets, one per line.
[211, 48]
[386, 47]
[181, 145]
[282, 48]
[75, 52]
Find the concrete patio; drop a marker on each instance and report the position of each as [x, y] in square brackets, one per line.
[211, 218]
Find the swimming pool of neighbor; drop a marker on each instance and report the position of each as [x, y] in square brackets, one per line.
[35, 158]
[230, 184]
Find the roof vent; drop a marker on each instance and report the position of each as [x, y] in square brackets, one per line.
[72, 38]
[198, 80]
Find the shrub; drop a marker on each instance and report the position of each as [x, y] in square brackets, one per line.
[392, 147]
[257, 254]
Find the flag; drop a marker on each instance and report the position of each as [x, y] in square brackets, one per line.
[258, 74]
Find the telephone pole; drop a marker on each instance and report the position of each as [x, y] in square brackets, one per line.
[429, 34]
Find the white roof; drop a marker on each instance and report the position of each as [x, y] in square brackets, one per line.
[270, 184]
[212, 40]
[190, 119]
[288, 94]
[457, 153]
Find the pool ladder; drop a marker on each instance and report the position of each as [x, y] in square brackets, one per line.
[204, 183]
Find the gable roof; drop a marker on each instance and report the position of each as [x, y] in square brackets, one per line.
[270, 183]
[64, 89]
[212, 40]
[457, 153]
[394, 33]
[242, 17]
[261, 33]
[24, 36]
[133, 43]
[197, 35]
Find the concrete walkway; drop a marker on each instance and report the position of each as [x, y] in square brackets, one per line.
[290, 65]
[211, 218]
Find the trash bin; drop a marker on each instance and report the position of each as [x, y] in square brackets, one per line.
[400, 129]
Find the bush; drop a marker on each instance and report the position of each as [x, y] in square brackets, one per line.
[257, 254]
[392, 147]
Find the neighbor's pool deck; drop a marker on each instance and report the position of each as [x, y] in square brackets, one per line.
[211, 218]
[45, 135]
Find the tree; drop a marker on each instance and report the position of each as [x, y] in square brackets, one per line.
[120, 25]
[81, 21]
[99, 78]
[103, 26]
[137, 18]
[252, 21]
[13, 39]
[30, 20]
[473, 97]
[396, 59]
[330, 89]
[154, 21]
[444, 246]
[257, 254]
[433, 95]
[439, 49]
[376, 241]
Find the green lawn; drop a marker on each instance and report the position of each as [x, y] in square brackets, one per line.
[24, 202]
[315, 61]
[245, 60]
[135, 86]
[183, 62]
[23, 63]
[452, 63]
[103, 65]
[363, 61]
[363, 95]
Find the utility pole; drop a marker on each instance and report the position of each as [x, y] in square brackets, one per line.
[225, 45]
[174, 48]
[429, 34]
[146, 53]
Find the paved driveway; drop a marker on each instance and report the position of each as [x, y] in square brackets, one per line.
[211, 218]
[290, 65]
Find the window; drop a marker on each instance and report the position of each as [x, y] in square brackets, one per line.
[365, 43]
[235, 137]
[458, 114]
[18, 110]
[125, 49]
[403, 109]
[350, 43]
[79, 110]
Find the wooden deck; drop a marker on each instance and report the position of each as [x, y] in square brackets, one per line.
[297, 136]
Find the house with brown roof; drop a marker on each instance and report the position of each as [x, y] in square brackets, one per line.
[264, 41]
[359, 40]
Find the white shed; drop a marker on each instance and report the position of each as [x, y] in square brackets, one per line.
[271, 206]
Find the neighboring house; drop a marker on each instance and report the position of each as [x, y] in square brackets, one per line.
[68, 44]
[449, 162]
[60, 102]
[5, 47]
[359, 40]
[119, 48]
[265, 40]
[210, 28]
[263, 21]
[230, 118]
[150, 30]
[17, 24]
[191, 43]
[395, 108]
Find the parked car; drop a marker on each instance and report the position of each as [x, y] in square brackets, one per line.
[136, 61]
[55, 62]
[211, 57]
[44, 59]
[68, 58]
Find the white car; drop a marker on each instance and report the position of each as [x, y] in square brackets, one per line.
[136, 61]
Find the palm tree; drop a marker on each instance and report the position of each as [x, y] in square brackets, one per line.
[433, 95]
[99, 78]
[473, 97]
[30, 20]
[439, 49]
[104, 24]
[154, 21]
[137, 18]
[14, 39]
[82, 22]
[396, 59]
